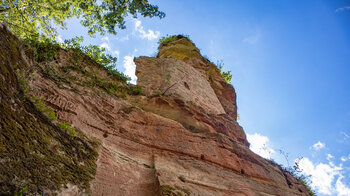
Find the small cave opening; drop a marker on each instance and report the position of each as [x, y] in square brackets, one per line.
[186, 85]
[242, 172]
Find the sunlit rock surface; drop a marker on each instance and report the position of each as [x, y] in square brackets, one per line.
[179, 138]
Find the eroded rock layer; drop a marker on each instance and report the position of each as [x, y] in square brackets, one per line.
[179, 138]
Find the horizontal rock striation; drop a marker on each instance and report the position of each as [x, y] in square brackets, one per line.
[36, 156]
[179, 138]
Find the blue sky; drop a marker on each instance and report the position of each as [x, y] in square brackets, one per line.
[290, 62]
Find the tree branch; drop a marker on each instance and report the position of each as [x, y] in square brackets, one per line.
[169, 88]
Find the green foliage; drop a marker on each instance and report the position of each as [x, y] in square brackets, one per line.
[303, 180]
[66, 126]
[22, 192]
[23, 82]
[46, 50]
[114, 88]
[134, 90]
[118, 75]
[225, 75]
[168, 77]
[49, 112]
[166, 39]
[296, 172]
[40, 105]
[28, 18]
[97, 54]
[170, 38]
[168, 190]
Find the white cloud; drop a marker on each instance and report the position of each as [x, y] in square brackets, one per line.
[322, 175]
[325, 178]
[117, 53]
[346, 136]
[106, 38]
[59, 39]
[329, 157]
[341, 188]
[125, 38]
[137, 23]
[130, 68]
[106, 46]
[252, 39]
[258, 144]
[344, 158]
[319, 145]
[343, 9]
[150, 34]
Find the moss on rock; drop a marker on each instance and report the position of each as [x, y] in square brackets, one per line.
[180, 47]
[168, 190]
[35, 155]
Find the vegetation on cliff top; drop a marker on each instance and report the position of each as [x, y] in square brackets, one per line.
[295, 171]
[170, 38]
[45, 50]
[226, 75]
[27, 18]
[178, 53]
[36, 22]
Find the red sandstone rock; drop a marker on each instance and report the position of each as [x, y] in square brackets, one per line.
[162, 144]
[175, 78]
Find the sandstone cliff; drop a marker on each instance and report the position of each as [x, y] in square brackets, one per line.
[180, 137]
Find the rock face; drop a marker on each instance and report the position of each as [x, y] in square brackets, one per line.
[183, 49]
[174, 78]
[179, 138]
[35, 154]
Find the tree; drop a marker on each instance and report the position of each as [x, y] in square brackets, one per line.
[43, 17]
